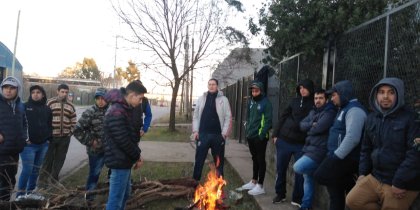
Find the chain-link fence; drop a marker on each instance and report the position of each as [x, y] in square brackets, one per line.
[387, 46]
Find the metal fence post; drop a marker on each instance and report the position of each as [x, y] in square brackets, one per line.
[386, 44]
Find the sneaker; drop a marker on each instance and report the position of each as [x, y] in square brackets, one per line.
[279, 199]
[295, 204]
[20, 197]
[248, 186]
[257, 190]
[35, 196]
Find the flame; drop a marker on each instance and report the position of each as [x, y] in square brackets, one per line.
[208, 195]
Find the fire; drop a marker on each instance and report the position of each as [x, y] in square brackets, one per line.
[207, 196]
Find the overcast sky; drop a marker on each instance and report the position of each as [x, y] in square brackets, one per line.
[55, 34]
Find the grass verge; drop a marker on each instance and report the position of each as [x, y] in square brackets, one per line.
[182, 134]
[160, 170]
[178, 119]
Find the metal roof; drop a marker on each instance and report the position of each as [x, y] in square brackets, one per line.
[6, 58]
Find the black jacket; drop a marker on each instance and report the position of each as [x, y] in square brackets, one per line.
[39, 117]
[388, 152]
[13, 128]
[317, 125]
[288, 126]
[121, 149]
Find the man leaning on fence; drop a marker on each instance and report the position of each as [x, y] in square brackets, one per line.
[389, 169]
[13, 134]
[63, 123]
[338, 170]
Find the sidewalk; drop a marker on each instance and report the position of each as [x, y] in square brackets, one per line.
[237, 155]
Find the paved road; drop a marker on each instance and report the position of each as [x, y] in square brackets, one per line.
[76, 155]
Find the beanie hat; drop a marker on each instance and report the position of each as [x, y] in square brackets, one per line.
[136, 87]
[100, 92]
[63, 86]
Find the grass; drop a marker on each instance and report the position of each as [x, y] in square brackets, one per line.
[159, 170]
[182, 134]
[178, 119]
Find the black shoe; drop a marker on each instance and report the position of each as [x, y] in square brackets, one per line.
[279, 199]
[305, 208]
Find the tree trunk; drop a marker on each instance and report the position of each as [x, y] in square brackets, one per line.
[173, 105]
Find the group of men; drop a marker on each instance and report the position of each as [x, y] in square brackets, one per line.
[40, 131]
[337, 142]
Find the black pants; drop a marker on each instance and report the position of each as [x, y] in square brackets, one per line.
[258, 148]
[339, 176]
[216, 143]
[8, 171]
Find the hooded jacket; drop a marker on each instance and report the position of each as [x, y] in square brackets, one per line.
[121, 149]
[39, 117]
[288, 126]
[387, 151]
[13, 126]
[259, 118]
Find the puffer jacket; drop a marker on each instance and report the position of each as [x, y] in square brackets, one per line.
[121, 149]
[388, 152]
[90, 128]
[288, 127]
[13, 128]
[39, 117]
[316, 141]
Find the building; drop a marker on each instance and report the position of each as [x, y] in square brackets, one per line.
[6, 60]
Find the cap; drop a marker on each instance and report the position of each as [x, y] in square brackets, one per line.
[100, 92]
[332, 90]
[256, 84]
[10, 81]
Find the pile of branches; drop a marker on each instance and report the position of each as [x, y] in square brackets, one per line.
[142, 193]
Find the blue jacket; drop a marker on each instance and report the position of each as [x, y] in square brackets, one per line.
[316, 141]
[347, 129]
[388, 152]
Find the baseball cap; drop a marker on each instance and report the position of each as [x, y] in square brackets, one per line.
[10, 81]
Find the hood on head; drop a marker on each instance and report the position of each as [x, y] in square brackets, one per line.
[40, 88]
[398, 85]
[345, 91]
[115, 96]
[308, 84]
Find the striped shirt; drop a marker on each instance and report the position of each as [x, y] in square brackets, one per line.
[64, 117]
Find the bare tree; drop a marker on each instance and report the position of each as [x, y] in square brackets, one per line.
[160, 26]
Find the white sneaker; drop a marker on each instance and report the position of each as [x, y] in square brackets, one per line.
[20, 197]
[35, 196]
[248, 186]
[257, 190]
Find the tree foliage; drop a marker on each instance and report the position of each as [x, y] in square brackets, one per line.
[85, 70]
[294, 26]
[131, 73]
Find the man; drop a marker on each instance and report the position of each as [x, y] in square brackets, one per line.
[89, 131]
[144, 109]
[211, 127]
[289, 140]
[258, 124]
[40, 132]
[338, 169]
[13, 134]
[316, 125]
[121, 138]
[389, 169]
[63, 123]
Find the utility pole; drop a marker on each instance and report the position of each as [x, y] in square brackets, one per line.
[14, 50]
[186, 63]
[192, 76]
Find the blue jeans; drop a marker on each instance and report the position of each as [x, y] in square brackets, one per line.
[96, 163]
[285, 151]
[119, 189]
[306, 166]
[204, 143]
[32, 157]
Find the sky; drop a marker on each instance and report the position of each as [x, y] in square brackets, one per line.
[55, 34]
